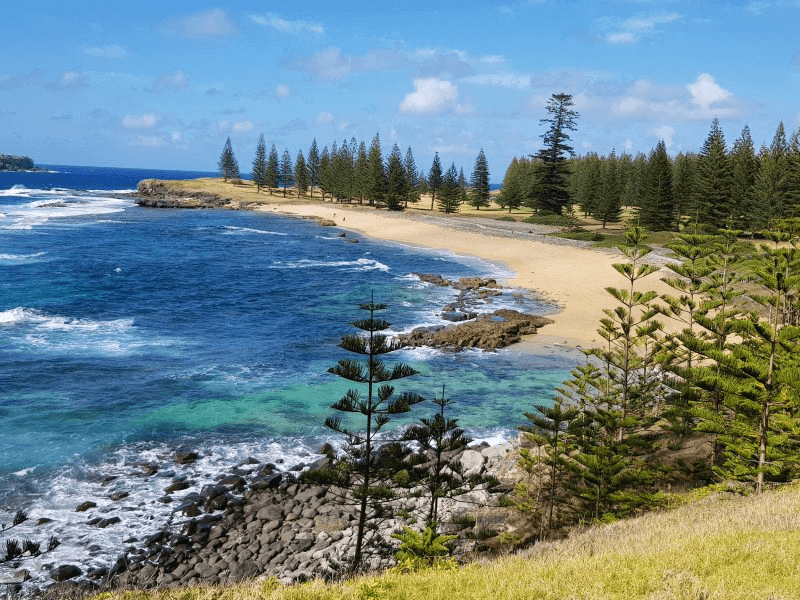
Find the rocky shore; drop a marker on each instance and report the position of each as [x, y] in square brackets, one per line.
[16, 163]
[257, 521]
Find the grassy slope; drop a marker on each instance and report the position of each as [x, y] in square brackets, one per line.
[719, 547]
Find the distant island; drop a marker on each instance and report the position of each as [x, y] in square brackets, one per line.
[16, 163]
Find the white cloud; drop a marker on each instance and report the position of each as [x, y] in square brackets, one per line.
[283, 91]
[207, 24]
[287, 26]
[176, 137]
[143, 121]
[113, 51]
[666, 133]
[430, 96]
[701, 100]
[242, 126]
[178, 80]
[633, 29]
[705, 91]
[324, 118]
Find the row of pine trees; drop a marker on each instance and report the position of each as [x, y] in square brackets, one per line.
[352, 172]
[719, 186]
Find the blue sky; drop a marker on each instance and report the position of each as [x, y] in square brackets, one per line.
[163, 84]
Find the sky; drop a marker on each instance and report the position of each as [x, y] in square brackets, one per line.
[162, 85]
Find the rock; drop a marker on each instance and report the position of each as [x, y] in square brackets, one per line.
[234, 482]
[325, 222]
[184, 457]
[16, 163]
[20, 576]
[149, 469]
[65, 572]
[118, 495]
[487, 332]
[43, 521]
[103, 523]
[471, 462]
[84, 506]
[328, 450]
[70, 590]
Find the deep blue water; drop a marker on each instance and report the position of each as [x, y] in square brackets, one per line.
[126, 332]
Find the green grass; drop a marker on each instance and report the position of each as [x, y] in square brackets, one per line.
[555, 220]
[716, 546]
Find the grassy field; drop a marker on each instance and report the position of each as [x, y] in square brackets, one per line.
[723, 546]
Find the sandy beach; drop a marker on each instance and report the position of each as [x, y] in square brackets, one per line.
[571, 276]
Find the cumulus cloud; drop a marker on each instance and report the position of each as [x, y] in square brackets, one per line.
[144, 121]
[324, 118]
[705, 91]
[207, 24]
[287, 26]
[283, 91]
[702, 99]
[507, 80]
[633, 29]
[430, 96]
[666, 133]
[148, 141]
[178, 80]
[113, 51]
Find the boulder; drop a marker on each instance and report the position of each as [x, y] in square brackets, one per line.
[471, 462]
[84, 506]
[185, 457]
[64, 572]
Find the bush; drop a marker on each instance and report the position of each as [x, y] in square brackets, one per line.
[552, 219]
[506, 218]
[421, 550]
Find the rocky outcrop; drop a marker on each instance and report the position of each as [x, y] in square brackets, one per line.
[487, 332]
[159, 194]
[16, 163]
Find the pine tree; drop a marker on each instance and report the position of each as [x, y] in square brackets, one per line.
[438, 437]
[228, 166]
[314, 166]
[552, 168]
[547, 430]
[450, 195]
[361, 173]
[273, 169]
[793, 176]
[744, 169]
[463, 196]
[683, 185]
[588, 182]
[610, 201]
[657, 205]
[396, 185]
[512, 193]
[260, 164]
[286, 172]
[325, 172]
[634, 180]
[713, 180]
[480, 182]
[770, 189]
[377, 184]
[412, 176]
[366, 467]
[435, 177]
[300, 174]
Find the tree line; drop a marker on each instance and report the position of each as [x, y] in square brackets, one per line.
[351, 172]
[719, 186]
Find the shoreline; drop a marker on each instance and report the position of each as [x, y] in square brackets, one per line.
[570, 274]
[559, 274]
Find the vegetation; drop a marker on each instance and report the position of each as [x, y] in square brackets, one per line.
[552, 169]
[367, 468]
[228, 166]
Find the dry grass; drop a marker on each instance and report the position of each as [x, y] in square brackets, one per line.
[720, 547]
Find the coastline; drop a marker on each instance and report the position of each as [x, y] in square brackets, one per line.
[570, 277]
[571, 274]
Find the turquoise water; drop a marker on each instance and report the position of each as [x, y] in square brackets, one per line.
[126, 332]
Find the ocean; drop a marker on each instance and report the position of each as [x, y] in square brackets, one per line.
[127, 333]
